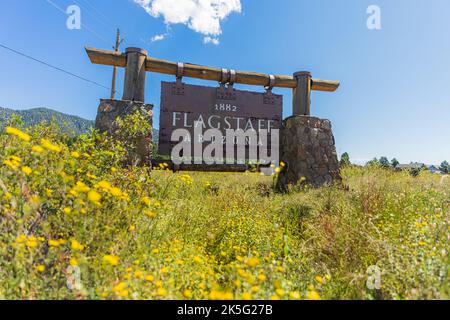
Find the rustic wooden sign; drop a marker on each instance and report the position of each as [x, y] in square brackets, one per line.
[222, 108]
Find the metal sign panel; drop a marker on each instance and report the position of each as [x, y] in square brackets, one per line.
[215, 108]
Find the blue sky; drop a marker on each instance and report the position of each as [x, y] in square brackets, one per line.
[393, 100]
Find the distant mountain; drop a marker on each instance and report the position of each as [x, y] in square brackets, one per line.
[70, 124]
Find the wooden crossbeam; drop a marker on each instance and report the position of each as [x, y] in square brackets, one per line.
[111, 58]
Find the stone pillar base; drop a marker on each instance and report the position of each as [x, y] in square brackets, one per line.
[110, 110]
[307, 147]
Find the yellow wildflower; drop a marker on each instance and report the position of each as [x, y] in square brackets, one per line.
[246, 296]
[119, 287]
[242, 273]
[280, 292]
[54, 243]
[50, 146]
[32, 242]
[21, 239]
[197, 259]
[150, 213]
[150, 278]
[164, 270]
[187, 294]
[67, 210]
[75, 154]
[75, 245]
[124, 294]
[215, 295]
[27, 170]
[81, 187]
[40, 268]
[227, 296]
[116, 192]
[37, 149]
[73, 262]
[319, 279]
[186, 179]
[112, 260]
[20, 134]
[91, 176]
[161, 292]
[252, 262]
[94, 196]
[12, 164]
[295, 295]
[146, 201]
[313, 295]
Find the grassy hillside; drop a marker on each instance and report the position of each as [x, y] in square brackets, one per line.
[75, 225]
[71, 124]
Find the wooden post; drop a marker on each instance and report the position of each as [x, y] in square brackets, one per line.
[113, 84]
[134, 84]
[301, 99]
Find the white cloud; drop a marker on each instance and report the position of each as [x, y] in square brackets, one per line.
[158, 37]
[202, 16]
[212, 40]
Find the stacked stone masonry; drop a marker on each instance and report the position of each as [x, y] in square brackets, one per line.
[307, 146]
[110, 110]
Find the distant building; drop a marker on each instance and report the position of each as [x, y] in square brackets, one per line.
[435, 170]
[418, 167]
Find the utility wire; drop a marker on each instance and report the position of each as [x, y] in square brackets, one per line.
[82, 24]
[94, 15]
[53, 67]
[98, 11]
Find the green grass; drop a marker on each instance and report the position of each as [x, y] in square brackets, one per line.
[126, 233]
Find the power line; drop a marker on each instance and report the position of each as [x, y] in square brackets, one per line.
[111, 22]
[82, 24]
[53, 67]
[94, 15]
[98, 11]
